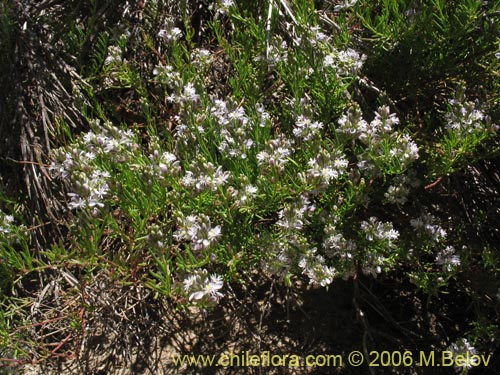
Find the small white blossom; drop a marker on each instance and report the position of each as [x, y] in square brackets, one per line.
[224, 6]
[325, 167]
[306, 129]
[317, 36]
[276, 154]
[199, 231]
[376, 230]
[294, 216]
[462, 116]
[203, 288]
[347, 63]
[448, 259]
[6, 223]
[114, 55]
[189, 94]
[235, 128]
[313, 266]
[466, 352]
[201, 58]
[166, 75]
[170, 34]
[346, 4]
[425, 223]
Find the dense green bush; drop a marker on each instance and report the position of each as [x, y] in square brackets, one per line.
[307, 140]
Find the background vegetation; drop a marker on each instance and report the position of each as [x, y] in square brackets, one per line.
[163, 161]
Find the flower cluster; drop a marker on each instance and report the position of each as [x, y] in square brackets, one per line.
[90, 184]
[235, 128]
[400, 188]
[376, 230]
[5, 223]
[314, 267]
[379, 136]
[163, 164]
[184, 94]
[224, 6]
[170, 33]
[448, 258]
[345, 252]
[371, 133]
[285, 252]
[166, 75]
[346, 63]
[467, 352]
[294, 215]
[317, 36]
[116, 144]
[425, 224]
[156, 237]
[65, 163]
[462, 116]
[336, 246]
[114, 55]
[203, 175]
[345, 5]
[198, 230]
[277, 51]
[325, 167]
[372, 261]
[276, 154]
[372, 264]
[91, 190]
[264, 116]
[189, 94]
[203, 288]
[201, 58]
[244, 195]
[306, 129]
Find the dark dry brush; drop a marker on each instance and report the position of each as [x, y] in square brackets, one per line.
[127, 330]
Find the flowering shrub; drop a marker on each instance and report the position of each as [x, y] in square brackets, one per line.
[294, 163]
[230, 162]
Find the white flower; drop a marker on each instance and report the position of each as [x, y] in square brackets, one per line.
[114, 55]
[376, 230]
[189, 282]
[251, 190]
[212, 287]
[326, 167]
[76, 201]
[372, 265]
[347, 63]
[203, 288]
[466, 352]
[199, 231]
[306, 129]
[214, 233]
[425, 223]
[6, 223]
[224, 6]
[189, 93]
[313, 265]
[236, 129]
[384, 121]
[346, 4]
[171, 34]
[276, 153]
[448, 259]
[317, 36]
[462, 116]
